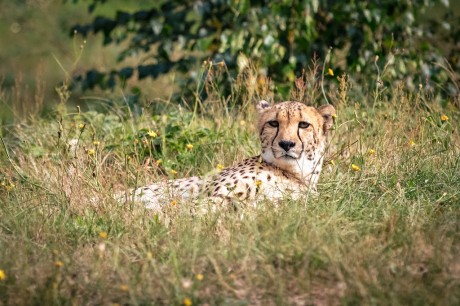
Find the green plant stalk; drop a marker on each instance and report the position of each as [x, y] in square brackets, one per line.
[326, 60]
[16, 169]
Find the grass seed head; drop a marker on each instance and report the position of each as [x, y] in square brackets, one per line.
[124, 287]
[186, 283]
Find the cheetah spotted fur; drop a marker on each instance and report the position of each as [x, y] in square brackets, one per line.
[293, 138]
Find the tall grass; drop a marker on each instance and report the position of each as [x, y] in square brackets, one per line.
[385, 231]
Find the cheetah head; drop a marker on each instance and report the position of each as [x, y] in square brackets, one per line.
[293, 136]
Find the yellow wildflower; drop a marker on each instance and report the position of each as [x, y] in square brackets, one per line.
[187, 302]
[173, 202]
[220, 167]
[444, 118]
[371, 151]
[330, 72]
[334, 116]
[355, 167]
[411, 143]
[2, 275]
[96, 143]
[242, 122]
[159, 161]
[152, 134]
[258, 183]
[91, 152]
[189, 146]
[174, 172]
[199, 276]
[81, 126]
[4, 184]
[136, 141]
[103, 235]
[124, 287]
[59, 264]
[11, 186]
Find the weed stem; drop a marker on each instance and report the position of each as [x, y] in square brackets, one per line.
[19, 173]
[328, 56]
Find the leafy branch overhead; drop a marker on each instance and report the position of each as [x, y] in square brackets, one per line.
[281, 37]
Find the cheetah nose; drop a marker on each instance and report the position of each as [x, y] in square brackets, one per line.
[286, 144]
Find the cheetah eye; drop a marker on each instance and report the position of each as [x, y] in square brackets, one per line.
[274, 123]
[303, 125]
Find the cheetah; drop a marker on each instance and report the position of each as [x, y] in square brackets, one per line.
[293, 138]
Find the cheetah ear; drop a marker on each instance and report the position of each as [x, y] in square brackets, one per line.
[328, 113]
[263, 106]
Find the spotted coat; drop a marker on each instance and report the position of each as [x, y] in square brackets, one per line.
[293, 138]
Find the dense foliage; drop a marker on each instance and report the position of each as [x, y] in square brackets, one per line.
[281, 37]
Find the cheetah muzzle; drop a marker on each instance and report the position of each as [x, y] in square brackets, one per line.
[293, 139]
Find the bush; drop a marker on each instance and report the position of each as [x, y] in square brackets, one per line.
[281, 37]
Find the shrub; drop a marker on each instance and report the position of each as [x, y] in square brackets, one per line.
[281, 37]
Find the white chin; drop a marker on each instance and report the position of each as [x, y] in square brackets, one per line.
[282, 161]
[287, 162]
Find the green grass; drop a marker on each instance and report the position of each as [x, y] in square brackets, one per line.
[386, 234]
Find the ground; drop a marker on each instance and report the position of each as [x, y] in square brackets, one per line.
[383, 229]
